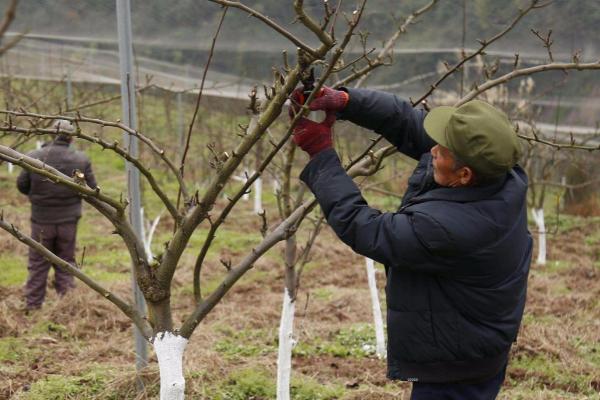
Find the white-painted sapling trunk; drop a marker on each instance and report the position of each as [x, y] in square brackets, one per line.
[286, 344]
[11, 167]
[538, 216]
[276, 186]
[258, 196]
[242, 179]
[169, 350]
[377, 317]
[147, 237]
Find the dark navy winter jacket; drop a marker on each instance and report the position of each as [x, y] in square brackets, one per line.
[52, 203]
[457, 259]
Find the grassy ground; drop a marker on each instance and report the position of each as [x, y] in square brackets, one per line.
[81, 347]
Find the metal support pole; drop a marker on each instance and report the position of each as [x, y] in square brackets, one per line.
[131, 144]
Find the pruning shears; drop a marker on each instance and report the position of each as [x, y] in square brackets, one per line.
[308, 86]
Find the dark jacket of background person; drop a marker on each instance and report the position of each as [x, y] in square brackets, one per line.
[53, 203]
[457, 259]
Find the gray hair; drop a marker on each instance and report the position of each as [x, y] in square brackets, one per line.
[63, 125]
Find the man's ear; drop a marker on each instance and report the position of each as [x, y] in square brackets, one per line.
[467, 176]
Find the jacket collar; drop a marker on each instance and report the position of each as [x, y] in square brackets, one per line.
[56, 143]
[461, 194]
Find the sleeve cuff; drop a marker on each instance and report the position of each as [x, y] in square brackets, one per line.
[323, 160]
[352, 105]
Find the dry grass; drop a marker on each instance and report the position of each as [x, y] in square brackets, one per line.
[555, 356]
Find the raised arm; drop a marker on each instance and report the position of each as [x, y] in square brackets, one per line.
[90, 179]
[397, 239]
[390, 116]
[24, 182]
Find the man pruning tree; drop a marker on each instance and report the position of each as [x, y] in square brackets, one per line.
[457, 251]
[55, 211]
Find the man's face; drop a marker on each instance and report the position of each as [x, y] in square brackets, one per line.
[445, 172]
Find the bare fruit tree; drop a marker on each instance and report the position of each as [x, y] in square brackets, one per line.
[187, 209]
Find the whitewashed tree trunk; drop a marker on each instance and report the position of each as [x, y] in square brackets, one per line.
[276, 187]
[538, 216]
[242, 179]
[377, 317]
[38, 144]
[11, 167]
[169, 350]
[258, 196]
[286, 344]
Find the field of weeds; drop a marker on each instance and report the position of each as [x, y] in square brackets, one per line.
[82, 347]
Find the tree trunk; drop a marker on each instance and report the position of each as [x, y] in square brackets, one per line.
[538, 216]
[286, 325]
[169, 350]
[377, 317]
[286, 344]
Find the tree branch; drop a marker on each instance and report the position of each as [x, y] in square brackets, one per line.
[523, 72]
[104, 101]
[284, 230]
[199, 98]
[105, 145]
[484, 44]
[38, 167]
[144, 139]
[387, 49]
[311, 24]
[269, 22]
[111, 209]
[319, 84]
[126, 308]
[9, 16]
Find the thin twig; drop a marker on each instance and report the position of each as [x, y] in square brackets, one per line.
[198, 99]
[484, 44]
[105, 145]
[311, 24]
[144, 139]
[387, 49]
[523, 72]
[215, 224]
[38, 167]
[126, 308]
[253, 13]
[9, 16]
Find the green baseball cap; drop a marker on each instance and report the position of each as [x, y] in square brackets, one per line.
[478, 134]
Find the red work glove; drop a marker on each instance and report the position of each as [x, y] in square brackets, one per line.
[314, 137]
[330, 100]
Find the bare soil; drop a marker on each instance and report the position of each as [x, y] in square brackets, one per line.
[69, 334]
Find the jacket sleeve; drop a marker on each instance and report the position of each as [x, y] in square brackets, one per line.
[90, 179]
[396, 239]
[391, 117]
[24, 182]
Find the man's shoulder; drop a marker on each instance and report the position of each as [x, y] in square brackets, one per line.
[76, 155]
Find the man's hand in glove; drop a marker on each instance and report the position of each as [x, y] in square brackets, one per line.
[330, 100]
[314, 137]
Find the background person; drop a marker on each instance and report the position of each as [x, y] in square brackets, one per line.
[55, 211]
[457, 251]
